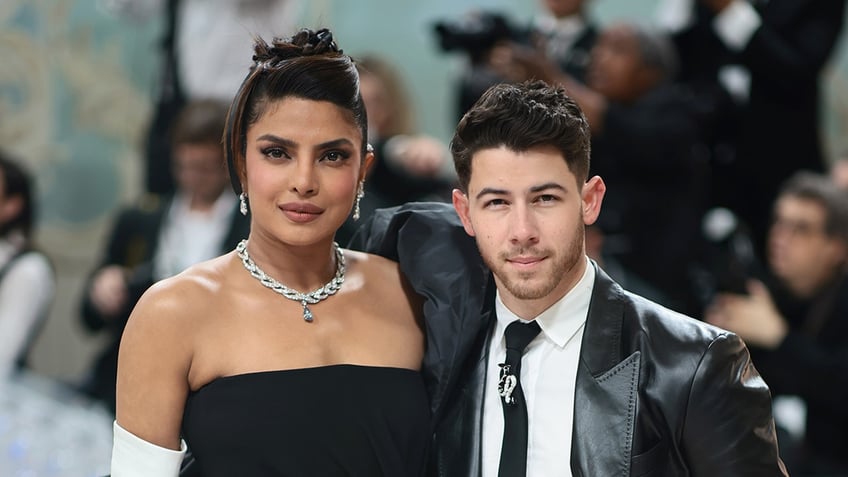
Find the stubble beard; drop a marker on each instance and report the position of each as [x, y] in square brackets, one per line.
[521, 285]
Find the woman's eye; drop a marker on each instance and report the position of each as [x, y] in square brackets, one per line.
[274, 152]
[335, 156]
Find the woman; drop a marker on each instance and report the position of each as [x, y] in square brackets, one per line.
[27, 282]
[287, 383]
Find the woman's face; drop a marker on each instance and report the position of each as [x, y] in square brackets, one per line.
[303, 167]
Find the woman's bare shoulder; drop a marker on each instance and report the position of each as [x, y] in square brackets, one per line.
[383, 277]
[180, 301]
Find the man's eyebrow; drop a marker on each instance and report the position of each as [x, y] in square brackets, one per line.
[490, 190]
[533, 190]
[546, 186]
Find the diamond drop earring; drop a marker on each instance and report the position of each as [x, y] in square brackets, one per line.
[243, 203]
[360, 193]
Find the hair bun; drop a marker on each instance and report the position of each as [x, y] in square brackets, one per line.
[305, 43]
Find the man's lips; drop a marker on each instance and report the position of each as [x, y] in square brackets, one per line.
[524, 261]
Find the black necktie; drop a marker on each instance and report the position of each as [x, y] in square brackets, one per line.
[514, 448]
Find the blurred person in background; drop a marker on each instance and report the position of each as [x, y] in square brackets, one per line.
[163, 236]
[839, 171]
[795, 320]
[201, 57]
[762, 60]
[27, 279]
[408, 166]
[562, 33]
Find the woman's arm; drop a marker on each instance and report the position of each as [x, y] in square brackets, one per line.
[153, 366]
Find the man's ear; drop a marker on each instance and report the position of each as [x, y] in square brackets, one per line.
[592, 195]
[460, 203]
[12, 206]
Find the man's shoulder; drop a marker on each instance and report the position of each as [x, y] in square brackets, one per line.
[660, 325]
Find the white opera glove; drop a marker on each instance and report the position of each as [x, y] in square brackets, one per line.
[135, 457]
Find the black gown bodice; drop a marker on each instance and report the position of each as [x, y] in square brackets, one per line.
[340, 420]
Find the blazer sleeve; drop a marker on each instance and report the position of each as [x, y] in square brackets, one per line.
[789, 56]
[127, 246]
[442, 264]
[729, 429]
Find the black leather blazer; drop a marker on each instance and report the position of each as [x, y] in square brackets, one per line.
[657, 393]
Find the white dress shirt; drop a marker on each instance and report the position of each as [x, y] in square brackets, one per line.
[735, 25]
[189, 237]
[548, 375]
[561, 33]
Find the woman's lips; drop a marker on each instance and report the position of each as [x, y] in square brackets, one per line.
[301, 212]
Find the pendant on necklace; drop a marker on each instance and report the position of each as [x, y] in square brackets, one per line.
[307, 313]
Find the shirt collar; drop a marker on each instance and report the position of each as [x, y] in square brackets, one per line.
[565, 27]
[561, 321]
[220, 211]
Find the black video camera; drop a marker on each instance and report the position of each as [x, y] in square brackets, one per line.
[476, 33]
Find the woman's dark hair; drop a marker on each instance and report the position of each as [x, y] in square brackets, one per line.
[521, 117]
[308, 65]
[17, 183]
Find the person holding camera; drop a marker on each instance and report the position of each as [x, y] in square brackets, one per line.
[562, 36]
[794, 320]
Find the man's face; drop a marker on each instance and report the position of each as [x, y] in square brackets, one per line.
[564, 8]
[527, 212]
[200, 171]
[616, 69]
[799, 251]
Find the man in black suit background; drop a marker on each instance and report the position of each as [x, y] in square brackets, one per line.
[765, 59]
[611, 384]
[161, 236]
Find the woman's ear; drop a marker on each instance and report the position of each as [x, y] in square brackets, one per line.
[367, 163]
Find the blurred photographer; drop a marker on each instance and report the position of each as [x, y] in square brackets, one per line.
[796, 320]
[561, 39]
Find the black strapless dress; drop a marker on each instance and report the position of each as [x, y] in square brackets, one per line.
[340, 420]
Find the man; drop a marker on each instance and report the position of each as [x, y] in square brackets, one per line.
[162, 237]
[795, 320]
[613, 384]
[768, 56]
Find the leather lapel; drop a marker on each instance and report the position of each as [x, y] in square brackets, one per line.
[606, 388]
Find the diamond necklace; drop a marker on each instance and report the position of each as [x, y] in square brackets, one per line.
[305, 299]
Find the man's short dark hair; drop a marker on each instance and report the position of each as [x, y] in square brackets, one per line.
[521, 117]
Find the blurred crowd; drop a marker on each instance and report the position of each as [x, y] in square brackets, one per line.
[705, 127]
